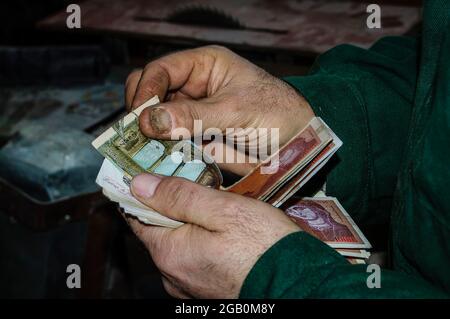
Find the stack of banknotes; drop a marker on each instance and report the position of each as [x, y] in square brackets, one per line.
[128, 152]
[324, 218]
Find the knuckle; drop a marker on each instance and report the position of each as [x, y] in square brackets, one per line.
[150, 86]
[157, 69]
[232, 210]
[237, 214]
[153, 80]
[133, 76]
[180, 194]
[189, 111]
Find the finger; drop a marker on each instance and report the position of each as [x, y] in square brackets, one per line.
[182, 200]
[130, 87]
[153, 237]
[169, 120]
[177, 96]
[188, 71]
[228, 158]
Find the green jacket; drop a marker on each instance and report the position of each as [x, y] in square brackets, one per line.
[391, 107]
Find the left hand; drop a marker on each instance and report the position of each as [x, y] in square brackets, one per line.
[222, 90]
[224, 235]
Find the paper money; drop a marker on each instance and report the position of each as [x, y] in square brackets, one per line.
[298, 161]
[297, 182]
[128, 152]
[326, 219]
[134, 153]
[111, 179]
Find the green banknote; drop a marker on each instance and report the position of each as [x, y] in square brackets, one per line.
[134, 153]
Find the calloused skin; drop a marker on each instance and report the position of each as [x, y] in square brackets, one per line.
[224, 234]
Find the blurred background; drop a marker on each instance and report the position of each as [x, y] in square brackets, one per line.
[60, 87]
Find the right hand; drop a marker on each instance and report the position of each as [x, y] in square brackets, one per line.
[223, 236]
[220, 88]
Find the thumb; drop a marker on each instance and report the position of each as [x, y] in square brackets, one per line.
[182, 200]
[166, 119]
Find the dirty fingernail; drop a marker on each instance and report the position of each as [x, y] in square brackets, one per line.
[160, 120]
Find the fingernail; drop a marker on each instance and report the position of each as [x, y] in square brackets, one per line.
[144, 185]
[160, 120]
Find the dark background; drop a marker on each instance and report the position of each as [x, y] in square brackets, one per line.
[41, 233]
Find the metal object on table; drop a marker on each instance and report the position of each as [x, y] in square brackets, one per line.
[46, 149]
[48, 167]
[307, 27]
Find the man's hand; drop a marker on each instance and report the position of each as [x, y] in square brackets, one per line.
[225, 233]
[211, 255]
[220, 88]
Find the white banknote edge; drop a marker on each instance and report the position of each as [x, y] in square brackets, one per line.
[357, 253]
[110, 178]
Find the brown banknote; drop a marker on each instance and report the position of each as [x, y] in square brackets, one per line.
[325, 219]
[295, 183]
[286, 163]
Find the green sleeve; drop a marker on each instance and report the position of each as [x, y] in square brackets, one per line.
[300, 266]
[366, 97]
